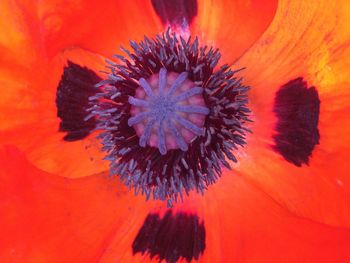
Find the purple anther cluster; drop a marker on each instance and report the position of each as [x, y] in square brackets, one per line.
[170, 119]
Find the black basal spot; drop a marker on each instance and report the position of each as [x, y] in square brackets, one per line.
[172, 237]
[176, 12]
[72, 100]
[297, 108]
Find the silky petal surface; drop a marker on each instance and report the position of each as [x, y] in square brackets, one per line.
[95, 219]
[309, 40]
[48, 218]
[232, 26]
[29, 117]
[95, 26]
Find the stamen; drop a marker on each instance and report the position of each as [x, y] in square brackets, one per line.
[169, 120]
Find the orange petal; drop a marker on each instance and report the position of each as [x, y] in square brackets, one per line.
[47, 218]
[32, 30]
[20, 47]
[100, 27]
[27, 105]
[20, 40]
[246, 225]
[310, 40]
[232, 26]
[28, 117]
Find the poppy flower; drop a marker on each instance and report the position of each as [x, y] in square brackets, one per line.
[286, 198]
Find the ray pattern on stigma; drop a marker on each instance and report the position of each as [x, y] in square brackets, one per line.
[162, 107]
[160, 173]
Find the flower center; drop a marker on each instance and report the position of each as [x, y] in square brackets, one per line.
[168, 111]
[170, 117]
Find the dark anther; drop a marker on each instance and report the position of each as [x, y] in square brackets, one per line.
[169, 121]
[176, 12]
[72, 100]
[297, 108]
[173, 237]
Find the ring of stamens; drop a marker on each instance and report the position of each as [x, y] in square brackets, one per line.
[153, 157]
[168, 111]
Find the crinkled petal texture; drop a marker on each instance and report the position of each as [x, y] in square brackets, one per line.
[233, 26]
[29, 117]
[308, 39]
[39, 37]
[95, 26]
[37, 40]
[47, 27]
[47, 218]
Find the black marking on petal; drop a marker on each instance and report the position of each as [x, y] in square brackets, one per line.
[176, 12]
[172, 237]
[77, 84]
[297, 108]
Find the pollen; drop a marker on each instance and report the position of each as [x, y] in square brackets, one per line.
[169, 118]
[168, 111]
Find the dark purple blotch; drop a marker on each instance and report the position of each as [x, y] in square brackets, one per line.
[176, 12]
[172, 237]
[297, 109]
[77, 84]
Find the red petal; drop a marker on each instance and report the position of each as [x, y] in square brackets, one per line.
[51, 219]
[47, 218]
[232, 26]
[20, 40]
[311, 41]
[28, 117]
[246, 225]
[100, 27]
